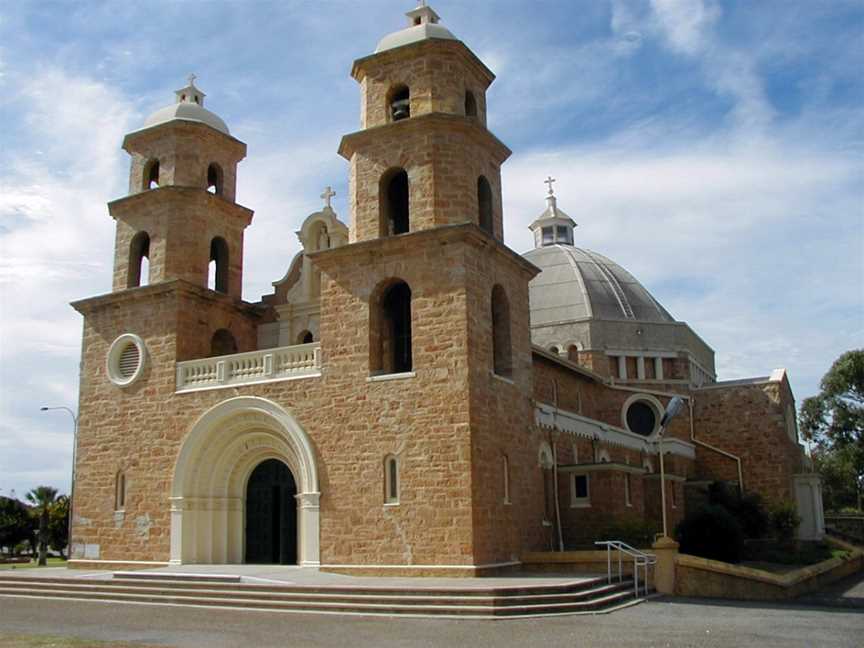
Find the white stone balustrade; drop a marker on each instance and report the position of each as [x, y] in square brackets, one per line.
[267, 365]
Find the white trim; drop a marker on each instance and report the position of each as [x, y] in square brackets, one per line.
[501, 378]
[112, 360]
[392, 376]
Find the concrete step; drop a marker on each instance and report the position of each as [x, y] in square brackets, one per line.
[452, 602]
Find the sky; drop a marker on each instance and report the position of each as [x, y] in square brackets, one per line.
[712, 148]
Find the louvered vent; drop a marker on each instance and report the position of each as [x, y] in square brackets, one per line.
[129, 360]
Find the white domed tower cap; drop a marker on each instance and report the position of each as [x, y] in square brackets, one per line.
[188, 107]
[423, 24]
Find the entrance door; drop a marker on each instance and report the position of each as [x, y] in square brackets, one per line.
[271, 515]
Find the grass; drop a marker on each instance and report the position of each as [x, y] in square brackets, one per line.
[52, 562]
[44, 641]
[800, 555]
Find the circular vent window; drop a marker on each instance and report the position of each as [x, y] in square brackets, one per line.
[642, 418]
[126, 359]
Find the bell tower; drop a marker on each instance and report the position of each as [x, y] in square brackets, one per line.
[180, 219]
[423, 157]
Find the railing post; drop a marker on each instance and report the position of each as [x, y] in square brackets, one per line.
[180, 377]
[609, 563]
[636, 576]
[220, 371]
[268, 364]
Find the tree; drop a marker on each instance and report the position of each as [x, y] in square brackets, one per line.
[837, 470]
[58, 525]
[43, 498]
[834, 418]
[16, 523]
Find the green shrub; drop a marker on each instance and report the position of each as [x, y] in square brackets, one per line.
[711, 532]
[785, 521]
[748, 508]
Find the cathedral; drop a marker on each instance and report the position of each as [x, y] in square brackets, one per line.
[414, 397]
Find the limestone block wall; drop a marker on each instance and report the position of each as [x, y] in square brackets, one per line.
[184, 150]
[748, 420]
[181, 223]
[443, 156]
[437, 73]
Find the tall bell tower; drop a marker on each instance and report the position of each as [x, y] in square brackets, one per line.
[180, 217]
[424, 147]
[428, 309]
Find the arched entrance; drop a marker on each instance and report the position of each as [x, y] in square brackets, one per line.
[271, 515]
[216, 465]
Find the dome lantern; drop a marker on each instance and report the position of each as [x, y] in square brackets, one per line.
[553, 226]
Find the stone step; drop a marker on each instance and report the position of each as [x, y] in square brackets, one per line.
[404, 597]
[428, 608]
[177, 576]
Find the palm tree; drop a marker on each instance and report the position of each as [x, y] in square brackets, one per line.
[43, 498]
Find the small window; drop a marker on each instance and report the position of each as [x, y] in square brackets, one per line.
[553, 349]
[470, 104]
[390, 330]
[548, 235]
[394, 202]
[218, 271]
[126, 357]
[391, 480]
[627, 501]
[120, 492]
[399, 103]
[151, 175]
[214, 179]
[505, 469]
[222, 343]
[502, 351]
[484, 203]
[563, 234]
[580, 497]
[138, 273]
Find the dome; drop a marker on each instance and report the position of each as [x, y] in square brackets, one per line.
[187, 112]
[189, 106]
[422, 25]
[578, 284]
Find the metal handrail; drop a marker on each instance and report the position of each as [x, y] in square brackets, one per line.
[640, 559]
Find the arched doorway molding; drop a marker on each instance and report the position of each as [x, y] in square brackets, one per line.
[216, 459]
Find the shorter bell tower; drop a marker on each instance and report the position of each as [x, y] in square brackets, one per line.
[180, 219]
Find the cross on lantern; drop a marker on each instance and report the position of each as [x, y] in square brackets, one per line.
[327, 195]
[192, 78]
[549, 182]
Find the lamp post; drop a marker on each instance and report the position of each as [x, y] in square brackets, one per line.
[74, 454]
[672, 410]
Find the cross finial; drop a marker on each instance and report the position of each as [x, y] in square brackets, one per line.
[327, 195]
[191, 79]
[549, 182]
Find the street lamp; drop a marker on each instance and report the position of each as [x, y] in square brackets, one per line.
[673, 409]
[74, 454]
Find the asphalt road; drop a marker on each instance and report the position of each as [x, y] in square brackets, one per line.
[660, 622]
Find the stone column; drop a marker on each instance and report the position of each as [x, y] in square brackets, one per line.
[309, 550]
[666, 550]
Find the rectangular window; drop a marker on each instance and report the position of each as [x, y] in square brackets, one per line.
[627, 489]
[548, 236]
[562, 234]
[579, 494]
[391, 481]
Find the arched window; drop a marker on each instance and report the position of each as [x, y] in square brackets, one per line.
[399, 103]
[120, 491]
[573, 353]
[305, 337]
[390, 330]
[218, 275]
[554, 349]
[470, 104]
[222, 343]
[484, 203]
[139, 261]
[151, 175]
[393, 192]
[214, 179]
[391, 479]
[502, 352]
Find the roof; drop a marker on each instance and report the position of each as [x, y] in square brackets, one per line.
[578, 284]
[187, 112]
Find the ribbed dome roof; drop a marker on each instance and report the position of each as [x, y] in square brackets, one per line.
[578, 284]
[422, 25]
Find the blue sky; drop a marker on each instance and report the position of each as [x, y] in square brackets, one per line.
[714, 149]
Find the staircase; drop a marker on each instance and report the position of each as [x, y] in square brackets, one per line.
[583, 596]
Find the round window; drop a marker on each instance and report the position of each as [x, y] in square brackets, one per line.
[641, 418]
[126, 359]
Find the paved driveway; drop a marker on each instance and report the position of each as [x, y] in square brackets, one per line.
[660, 622]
